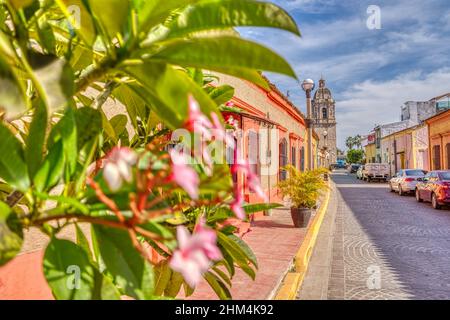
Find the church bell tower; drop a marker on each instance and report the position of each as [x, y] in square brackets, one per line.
[324, 120]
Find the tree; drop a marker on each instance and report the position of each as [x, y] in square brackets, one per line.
[60, 61]
[349, 142]
[355, 156]
[355, 141]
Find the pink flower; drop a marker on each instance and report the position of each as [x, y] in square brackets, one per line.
[252, 179]
[197, 121]
[118, 167]
[233, 122]
[236, 205]
[195, 253]
[184, 175]
[219, 131]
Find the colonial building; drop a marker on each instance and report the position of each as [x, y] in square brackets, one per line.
[274, 134]
[439, 141]
[324, 121]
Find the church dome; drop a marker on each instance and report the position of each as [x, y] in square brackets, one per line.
[323, 93]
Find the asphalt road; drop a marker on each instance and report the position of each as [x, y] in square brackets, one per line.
[386, 246]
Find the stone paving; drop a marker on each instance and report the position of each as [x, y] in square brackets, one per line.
[383, 246]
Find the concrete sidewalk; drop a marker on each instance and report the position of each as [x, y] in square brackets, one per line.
[275, 242]
[316, 282]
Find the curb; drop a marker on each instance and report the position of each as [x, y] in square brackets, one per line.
[294, 279]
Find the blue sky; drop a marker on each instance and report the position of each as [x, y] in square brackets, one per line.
[371, 72]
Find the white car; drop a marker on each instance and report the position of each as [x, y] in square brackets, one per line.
[405, 180]
[376, 171]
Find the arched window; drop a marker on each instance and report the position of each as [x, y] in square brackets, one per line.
[324, 113]
[283, 158]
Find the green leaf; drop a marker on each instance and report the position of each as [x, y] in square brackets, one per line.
[111, 14]
[133, 103]
[222, 94]
[119, 123]
[130, 271]
[79, 18]
[223, 54]
[89, 125]
[163, 274]
[152, 13]
[56, 78]
[46, 36]
[236, 252]
[245, 248]
[218, 286]
[83, 242]
[222, 275]
[36, 138]
[13, 168]
[174, 285]
[166, 90]
[51, 169]
[11, 235]
[19, 4]
[66, 129]
[12, 91]
[230, 13]
[258, 207]
[72, 276]
[157, 229]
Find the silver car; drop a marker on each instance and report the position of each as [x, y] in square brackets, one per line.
[405, 180]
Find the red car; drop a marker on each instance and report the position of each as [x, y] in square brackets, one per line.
[435, 188]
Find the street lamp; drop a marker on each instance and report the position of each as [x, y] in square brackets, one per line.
[325, 135]
[308, 86]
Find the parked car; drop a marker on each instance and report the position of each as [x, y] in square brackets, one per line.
[359, 173]
[434, 188]
[353, 168]
[405, 180]
[376, 171]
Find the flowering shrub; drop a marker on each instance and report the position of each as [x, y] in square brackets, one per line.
[158, 213]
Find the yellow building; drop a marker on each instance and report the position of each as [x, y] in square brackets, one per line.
[370, 151]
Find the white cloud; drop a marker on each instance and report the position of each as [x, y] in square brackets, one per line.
[369, 103]
[415, 35]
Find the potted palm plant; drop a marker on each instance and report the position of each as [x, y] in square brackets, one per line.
[303, 189]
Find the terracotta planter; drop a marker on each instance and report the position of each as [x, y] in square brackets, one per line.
[300, 217]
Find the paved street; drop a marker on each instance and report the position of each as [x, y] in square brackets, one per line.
[377, 245]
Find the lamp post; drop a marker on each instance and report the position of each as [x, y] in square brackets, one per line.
[308, 86]
[325, 135]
